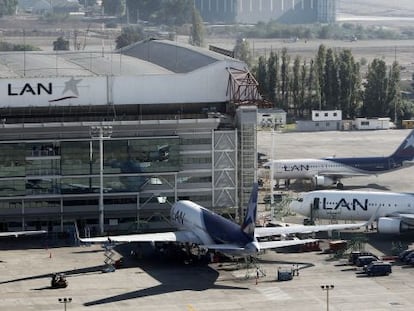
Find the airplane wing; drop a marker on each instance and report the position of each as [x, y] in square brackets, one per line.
[177, 236]
[342, 174]
[263, 245]
[269, 231]
[407, 218]
[19, 233]
[284, 243]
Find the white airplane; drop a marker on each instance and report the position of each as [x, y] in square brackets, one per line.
[330, 171]
[394, 212]
[19, 233]
[210, 231]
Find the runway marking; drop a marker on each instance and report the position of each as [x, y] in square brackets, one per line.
[274, 293]
[190, 308]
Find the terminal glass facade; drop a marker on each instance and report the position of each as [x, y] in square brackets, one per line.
[46, 183]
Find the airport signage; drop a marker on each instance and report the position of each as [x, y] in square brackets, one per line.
[33, 89]
[54, 91]
[295, 167]
[342, 203]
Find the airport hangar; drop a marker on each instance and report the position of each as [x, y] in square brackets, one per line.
[112, 140]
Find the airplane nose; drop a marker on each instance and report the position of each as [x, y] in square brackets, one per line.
[253, 247]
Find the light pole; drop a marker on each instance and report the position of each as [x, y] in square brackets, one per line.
[65, 301]
[101, 132]
[327, 288]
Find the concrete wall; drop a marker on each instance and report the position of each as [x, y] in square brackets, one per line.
[312, 126]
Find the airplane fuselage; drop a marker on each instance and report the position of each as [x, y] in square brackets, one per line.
[309, 168]
[329, 171]
[209, 227]
[353, 205]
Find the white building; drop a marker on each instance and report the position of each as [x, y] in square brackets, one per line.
[322, 120]
[326, 115]
[372, 123]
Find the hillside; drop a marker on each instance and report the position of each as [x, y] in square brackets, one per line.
[403, 8]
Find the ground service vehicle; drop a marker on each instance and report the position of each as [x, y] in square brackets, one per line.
[377, 268]
[353, 256]
[58, 281]
[402, 256]
[408, 258]
[365, 260]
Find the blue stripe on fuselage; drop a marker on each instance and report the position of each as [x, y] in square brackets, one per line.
[371, 164]
[223, 230]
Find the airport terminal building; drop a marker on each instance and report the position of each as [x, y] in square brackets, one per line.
[112, 140]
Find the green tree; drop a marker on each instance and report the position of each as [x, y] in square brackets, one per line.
[331, 86]
[143, 10]
[375, 94]
[284, 79]
[349, 82]
[261, 76]
[242, 51]
[61, 44]
[6, 46]
[113, 7]
[129, 35]
[8, 7]
[197, 29]
[314, 90]
[295, 90]
[406, 111]
[87, 3]
[303, 89]
[393, 90]
[319, 70]
[177, 12]
[272, 70]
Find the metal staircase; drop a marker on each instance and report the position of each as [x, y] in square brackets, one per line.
[109, 257]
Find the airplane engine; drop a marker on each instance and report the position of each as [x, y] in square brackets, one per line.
[390, 225]
[322, 181]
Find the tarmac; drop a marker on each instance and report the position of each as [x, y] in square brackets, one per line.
[27, 264]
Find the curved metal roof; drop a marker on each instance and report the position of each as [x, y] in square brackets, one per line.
[142, 58]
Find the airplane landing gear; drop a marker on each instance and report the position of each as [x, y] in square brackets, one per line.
[340, 185]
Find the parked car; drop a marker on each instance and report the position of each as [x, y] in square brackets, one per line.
[376, 268]
[408, 258]
[365, 260]
[410, 261]
[404, 254]
[353, 256]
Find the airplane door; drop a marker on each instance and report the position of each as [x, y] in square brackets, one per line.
[279, 168]
[315, 208]
[316, 203]
[392, 164]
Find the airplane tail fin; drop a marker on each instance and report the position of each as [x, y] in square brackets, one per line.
[406, 149]
[249, 222]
